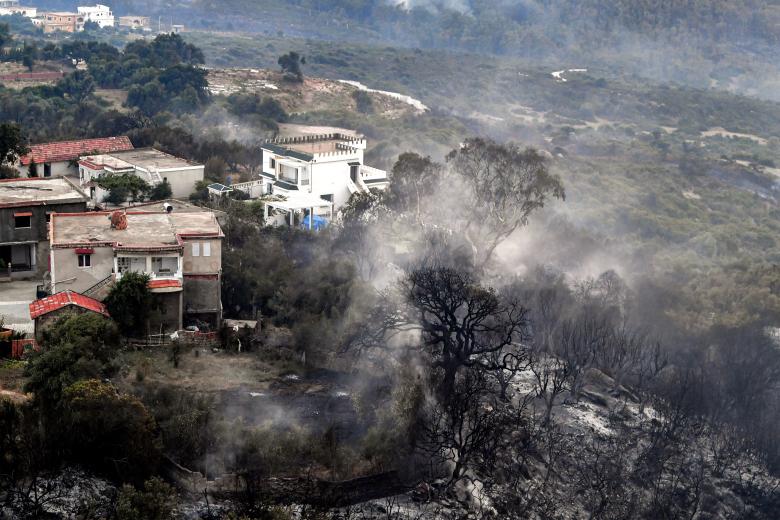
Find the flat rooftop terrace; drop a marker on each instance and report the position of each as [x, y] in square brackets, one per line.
[151, 159]
[144, 229]
[38, 192]
[315, 147]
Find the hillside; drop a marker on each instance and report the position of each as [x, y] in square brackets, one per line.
[562, 303]
[314, 95]
[652, 161]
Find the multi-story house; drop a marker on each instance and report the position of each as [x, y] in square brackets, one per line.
[153, 166]
[26, 206]
[328, 168]
[61, 21]
[180, 251]
[99, 14]
[60, 158]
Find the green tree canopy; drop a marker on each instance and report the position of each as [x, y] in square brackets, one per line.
[291, 65]
[77, 346]
[78, 85]
[161, 191]
[130, 302]
[109, 431]
[12, 143]
[123, 187]
[156, 501]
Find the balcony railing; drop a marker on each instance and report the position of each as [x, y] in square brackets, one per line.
[371, 173]
[162, 274]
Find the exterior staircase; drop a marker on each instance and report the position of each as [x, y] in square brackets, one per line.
[99, 291]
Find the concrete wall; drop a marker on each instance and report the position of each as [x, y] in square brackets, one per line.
[66, 273]
[167, 316]
[331, 178]
[38, 230]
[202, 264]
[183, 181]
[202, 288]
[202, 300]
[58, 169]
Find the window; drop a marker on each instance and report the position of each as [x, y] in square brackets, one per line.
[206, 248]
[305, 177]
[272, 163]
[22, 221]
[47, 170]
[85, 260]
[289, 174]
[195, 249]
[123, 264]
[329, 197]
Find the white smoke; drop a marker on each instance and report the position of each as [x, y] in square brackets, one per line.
[434, 5]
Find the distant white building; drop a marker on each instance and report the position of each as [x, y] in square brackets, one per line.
[99, 14]
[153, 166]
[28, 12]
[313, 174]
[136, 22]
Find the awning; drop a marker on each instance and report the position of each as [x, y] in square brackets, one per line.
[85, 251]
[23, 214]
[299, 200]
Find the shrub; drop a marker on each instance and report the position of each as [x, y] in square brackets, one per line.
[129, 302]
[157, 501]
[111, 432]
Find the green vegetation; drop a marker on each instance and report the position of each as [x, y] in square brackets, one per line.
[130, 303]
[155, 501]
[291, 66]
[511, 330]
[160, 75]
[161, 191]
[11, 147]
[124, 187]
[110, 432]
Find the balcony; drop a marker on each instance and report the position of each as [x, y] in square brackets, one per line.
[373, 177]
[157, 267]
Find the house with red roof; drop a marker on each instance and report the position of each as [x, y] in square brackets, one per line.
[48, 310]
[180, 251]
[61, 158]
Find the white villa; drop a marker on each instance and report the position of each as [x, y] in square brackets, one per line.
[312, 174]
[100, 14]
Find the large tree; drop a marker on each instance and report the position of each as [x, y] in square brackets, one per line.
[12, 143]
[414, 179]
[498, 187]
[78, 85]
[460, 323]
[291, 65]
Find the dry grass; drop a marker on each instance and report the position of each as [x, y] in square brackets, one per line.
[12, 380]
[199, 370]
[314, 95]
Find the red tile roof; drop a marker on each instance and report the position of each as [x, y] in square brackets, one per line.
[163, 284]
[69, 150]
[63, 299]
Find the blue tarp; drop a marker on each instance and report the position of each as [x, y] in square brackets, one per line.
[319, 222]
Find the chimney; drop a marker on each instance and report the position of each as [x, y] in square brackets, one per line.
[118, 220]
